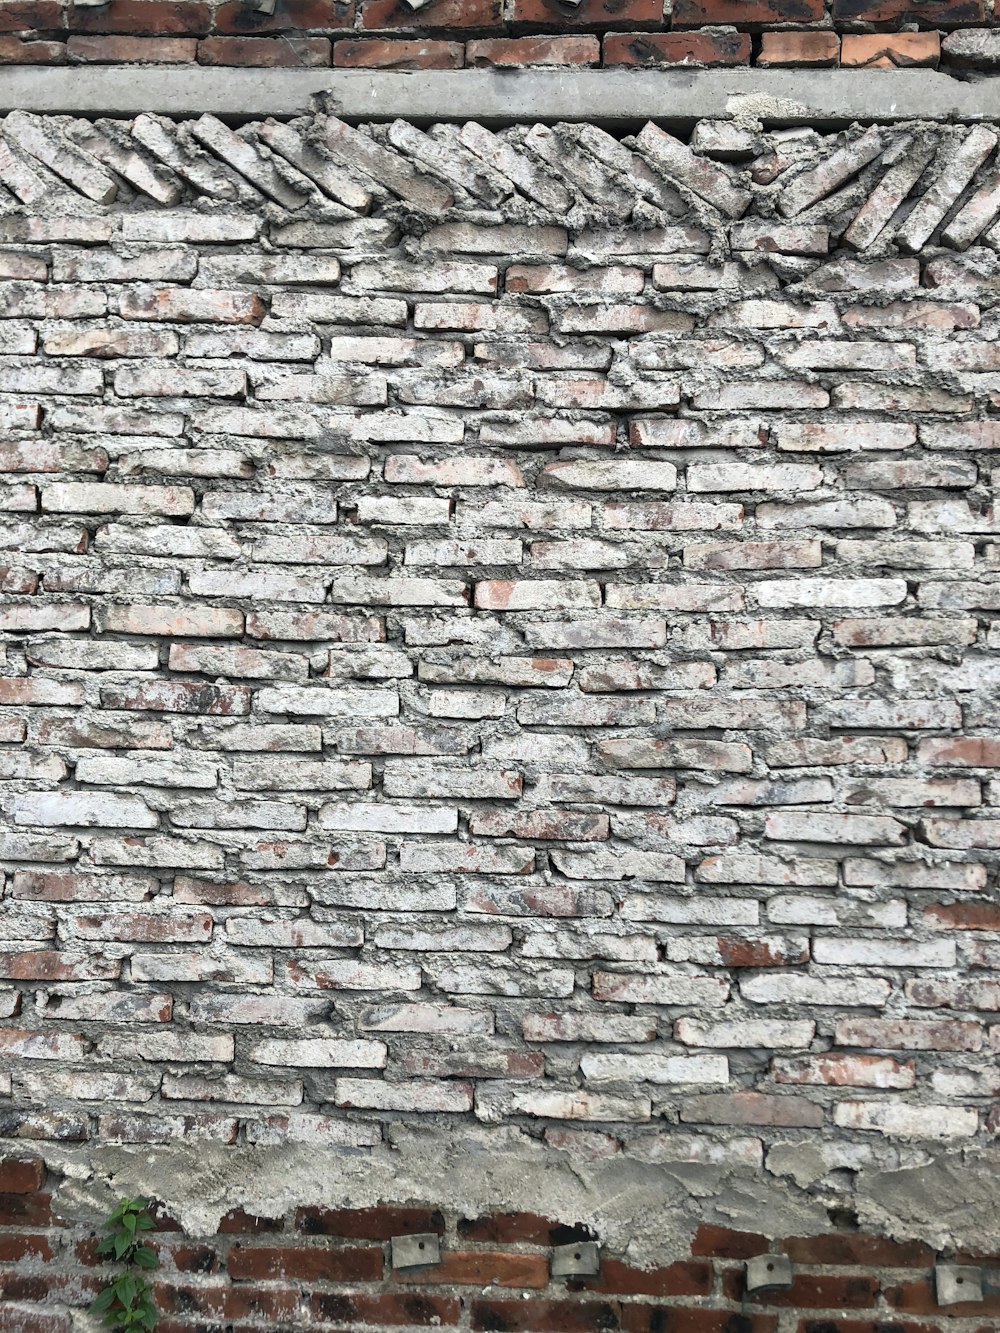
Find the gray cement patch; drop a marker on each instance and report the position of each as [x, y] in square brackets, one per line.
[626, 98]
[646, 1212]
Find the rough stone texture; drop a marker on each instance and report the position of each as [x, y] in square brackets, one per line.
[499, 666]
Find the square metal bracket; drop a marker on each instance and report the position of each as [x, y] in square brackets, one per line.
[580, 1260]
[768, 1271]
[955, 1283]
[415, 1251]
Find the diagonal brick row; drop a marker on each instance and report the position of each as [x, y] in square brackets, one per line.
[880, 189]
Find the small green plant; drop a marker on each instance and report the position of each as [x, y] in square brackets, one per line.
[127, 1302]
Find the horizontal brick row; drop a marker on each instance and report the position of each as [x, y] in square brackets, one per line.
[725, 44]
[173, 19]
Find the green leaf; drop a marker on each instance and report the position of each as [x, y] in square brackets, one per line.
[144, 1223]
[103, 1302]
[128, 1221]
[145, 1257]
[122, 1243]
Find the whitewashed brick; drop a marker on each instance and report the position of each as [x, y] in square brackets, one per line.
[651, 1068]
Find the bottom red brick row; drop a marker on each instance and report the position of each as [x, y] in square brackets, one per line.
[327, 1269]
[706, 46]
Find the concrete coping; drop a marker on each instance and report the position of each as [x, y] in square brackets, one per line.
[623, 99]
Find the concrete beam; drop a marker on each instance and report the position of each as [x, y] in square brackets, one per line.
[620, 98]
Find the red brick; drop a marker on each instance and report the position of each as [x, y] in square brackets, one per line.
[348, 1309]
[25, 16]
[660, 1319]
[21, 1175]
[684, 1278]
[737, 952]
[158, 18]
[190, 1258]
[278, 1304]
[848, 1249]
[720, 1243]
[529, 1316]
[307, 1263]
[963, 751]
[16, 51]
[746, 13]
[526, 1228]
[265, 52]
[482, 1268]
[591, 13]
[22, 1287]
[17, 690]
[132, 50]
[437, 14]
[25, 1210]
[238, 1222]
[517, 51]
[962, 916]
[53, 965]
[677, 48]
[890, 50]
[298, 16]
[85, 1252]
[805, 49]
[933, 14]
[371, 53]
[368, 1223]
[15, 1248]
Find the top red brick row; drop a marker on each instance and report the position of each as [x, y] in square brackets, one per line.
[440, 17]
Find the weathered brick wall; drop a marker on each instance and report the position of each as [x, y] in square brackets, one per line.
[499, 641]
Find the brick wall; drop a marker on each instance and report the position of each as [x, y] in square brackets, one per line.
[331, 1269]
[499, 636]
[451, 34]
